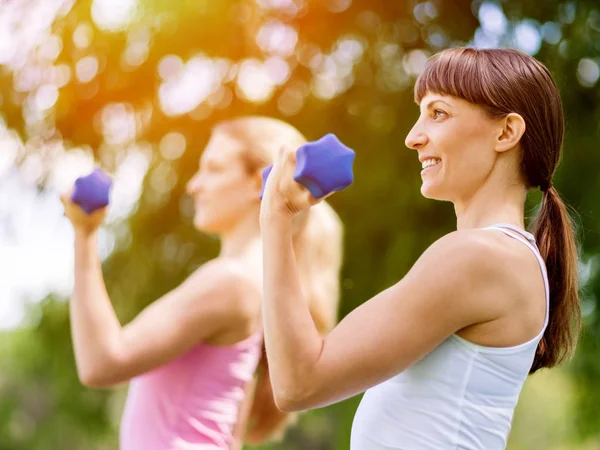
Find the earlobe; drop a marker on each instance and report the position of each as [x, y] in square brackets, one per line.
[513, 128]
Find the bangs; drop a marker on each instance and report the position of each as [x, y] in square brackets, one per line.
[458, 72]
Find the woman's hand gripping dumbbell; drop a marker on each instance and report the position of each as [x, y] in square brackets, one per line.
[301, 178]
[85, 204]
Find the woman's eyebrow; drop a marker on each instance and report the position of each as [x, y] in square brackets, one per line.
[430, 104]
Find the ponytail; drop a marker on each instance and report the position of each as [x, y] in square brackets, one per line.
[553, 231]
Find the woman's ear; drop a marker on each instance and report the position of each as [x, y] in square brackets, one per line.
[512, 128]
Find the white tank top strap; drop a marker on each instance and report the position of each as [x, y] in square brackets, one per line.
[529, 240]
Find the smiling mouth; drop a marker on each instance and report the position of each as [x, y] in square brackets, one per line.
[431, 162]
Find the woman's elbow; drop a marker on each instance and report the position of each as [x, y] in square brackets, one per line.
[288, 404]
[292, 400]
[96, 376]
[92, 379]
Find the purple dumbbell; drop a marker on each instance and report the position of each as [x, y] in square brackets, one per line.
[323, 166]
[92, 191]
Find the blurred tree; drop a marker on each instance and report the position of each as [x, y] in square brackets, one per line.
[152, 77]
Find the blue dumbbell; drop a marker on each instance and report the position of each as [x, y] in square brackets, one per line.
[323, 166]
[91, 192]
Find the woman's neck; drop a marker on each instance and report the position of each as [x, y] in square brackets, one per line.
[491, 205]
[242, 239]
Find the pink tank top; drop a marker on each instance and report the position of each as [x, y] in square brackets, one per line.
[191, 403]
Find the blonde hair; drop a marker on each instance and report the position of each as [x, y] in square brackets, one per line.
[317, 245]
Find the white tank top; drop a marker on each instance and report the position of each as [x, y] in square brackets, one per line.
[461, 396]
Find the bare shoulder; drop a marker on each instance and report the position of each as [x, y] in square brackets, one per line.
[223, 270]
[229, 285]
[476, 251]
[468, 271]
[488, 252]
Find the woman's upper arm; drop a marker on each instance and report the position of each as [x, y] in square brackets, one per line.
[210, 300]
[442, 293]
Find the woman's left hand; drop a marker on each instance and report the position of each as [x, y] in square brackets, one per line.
[82, 222]
[283, 195]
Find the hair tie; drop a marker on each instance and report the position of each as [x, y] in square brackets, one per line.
[545, 187]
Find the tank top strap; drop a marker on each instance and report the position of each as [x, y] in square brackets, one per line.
[529, 240]
[520, 231]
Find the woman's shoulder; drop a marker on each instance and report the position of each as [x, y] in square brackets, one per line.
[229, 279]
[476, 246]
[490, 247]
[483, 259]
[475, 259]
[225, 270]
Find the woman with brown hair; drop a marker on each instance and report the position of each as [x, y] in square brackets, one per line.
[191, 356]
[443, 353]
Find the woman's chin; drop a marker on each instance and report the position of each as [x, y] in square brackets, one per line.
[204, 225]
[432, 191]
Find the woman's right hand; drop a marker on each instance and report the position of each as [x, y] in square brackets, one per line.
[283, 196]
[82, 222]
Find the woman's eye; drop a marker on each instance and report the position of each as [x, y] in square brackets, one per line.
[211, 168]
[437, 113]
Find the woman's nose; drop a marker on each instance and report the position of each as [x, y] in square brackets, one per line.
[416, 138]
[194, 185]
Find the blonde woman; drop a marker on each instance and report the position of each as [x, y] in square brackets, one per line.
[191, 356]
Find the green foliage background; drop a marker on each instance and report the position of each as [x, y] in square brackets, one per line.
[388, 223]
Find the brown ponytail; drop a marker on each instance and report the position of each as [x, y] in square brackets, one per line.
[554, 234]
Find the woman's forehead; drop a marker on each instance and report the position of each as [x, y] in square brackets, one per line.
[221, 146]
[431, 97]
[455, 103]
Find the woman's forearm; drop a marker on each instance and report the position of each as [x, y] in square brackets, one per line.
[292, 341]
[95, 327]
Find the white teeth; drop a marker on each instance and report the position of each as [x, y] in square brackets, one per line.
[430, 162]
